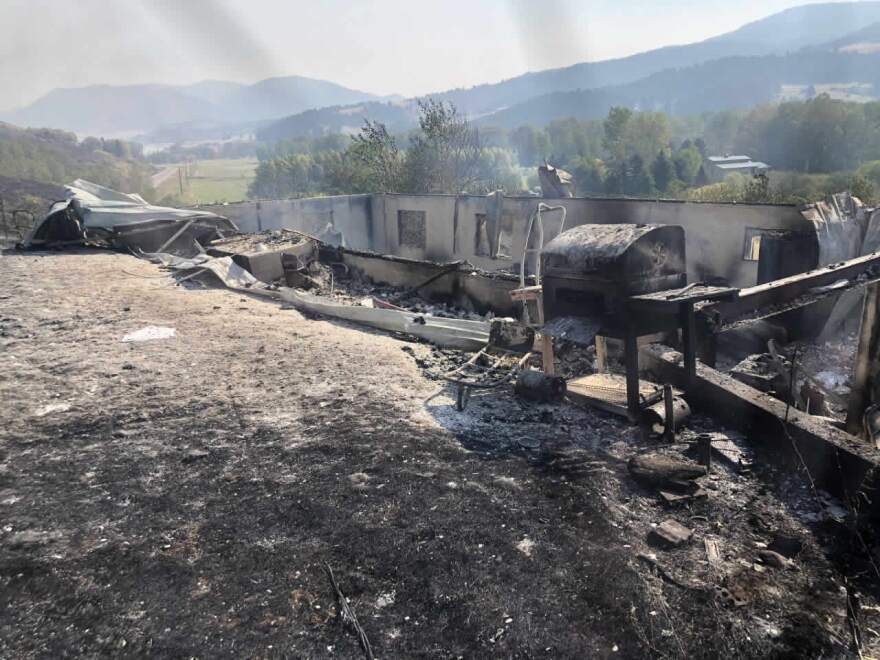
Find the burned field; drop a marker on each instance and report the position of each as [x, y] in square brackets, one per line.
[182, 496]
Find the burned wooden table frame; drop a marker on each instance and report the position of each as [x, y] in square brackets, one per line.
[780, 297]
[664, 311]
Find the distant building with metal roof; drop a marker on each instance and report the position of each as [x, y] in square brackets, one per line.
[715, 168]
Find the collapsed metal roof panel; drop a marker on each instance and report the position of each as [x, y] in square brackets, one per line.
[100, 207]
[93, 211]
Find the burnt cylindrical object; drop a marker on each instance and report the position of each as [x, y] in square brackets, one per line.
[654, 416]
[538, 386]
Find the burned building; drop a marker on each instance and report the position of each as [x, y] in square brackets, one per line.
[636, 391]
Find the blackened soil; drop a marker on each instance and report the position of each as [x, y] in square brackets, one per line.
[178, 498]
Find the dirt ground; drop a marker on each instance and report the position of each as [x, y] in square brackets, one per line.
[180, 497]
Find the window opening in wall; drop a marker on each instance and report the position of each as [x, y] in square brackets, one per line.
[481, 238]
[752, 244]
[411, 230]
[505, 243]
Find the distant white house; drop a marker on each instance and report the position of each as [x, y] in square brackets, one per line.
[715, 168]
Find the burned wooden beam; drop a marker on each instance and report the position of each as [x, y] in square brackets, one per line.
[779, 299]
[767, 297]
[836, 461]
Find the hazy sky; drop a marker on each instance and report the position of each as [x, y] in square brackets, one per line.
[406, 47]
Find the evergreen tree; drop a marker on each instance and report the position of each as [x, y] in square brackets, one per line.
[663, 171]
[687, 164]
[637, 181]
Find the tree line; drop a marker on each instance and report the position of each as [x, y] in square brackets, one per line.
[58, 157]
[812, 146]
[444, 155]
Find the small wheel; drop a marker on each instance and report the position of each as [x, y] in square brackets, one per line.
[461, 400]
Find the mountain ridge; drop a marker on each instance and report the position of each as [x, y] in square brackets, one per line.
[790, 31]
[119, 109]
[311, 106]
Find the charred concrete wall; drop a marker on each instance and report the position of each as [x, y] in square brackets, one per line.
[350, 214]
[722, 240]
[456, 227]
[718, 236]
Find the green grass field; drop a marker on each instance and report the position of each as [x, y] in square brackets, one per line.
[211, 181]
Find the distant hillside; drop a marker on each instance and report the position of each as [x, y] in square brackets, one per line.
[119, 110]
[727, 84]
[866, 40]
[397, 117]
[787, 31]
[114, 110]
[613, 80]
[109, 110]
[213, 91]
[276, 97]
[56, 157]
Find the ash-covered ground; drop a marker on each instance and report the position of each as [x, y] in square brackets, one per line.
[180, 497]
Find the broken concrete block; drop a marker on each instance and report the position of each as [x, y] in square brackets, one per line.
[671, 534]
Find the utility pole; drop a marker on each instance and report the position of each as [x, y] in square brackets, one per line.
[180, 179]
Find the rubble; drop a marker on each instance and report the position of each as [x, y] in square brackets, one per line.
[670, 533]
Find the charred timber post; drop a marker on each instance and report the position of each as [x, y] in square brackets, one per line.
[704, 448]
[867, 366]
